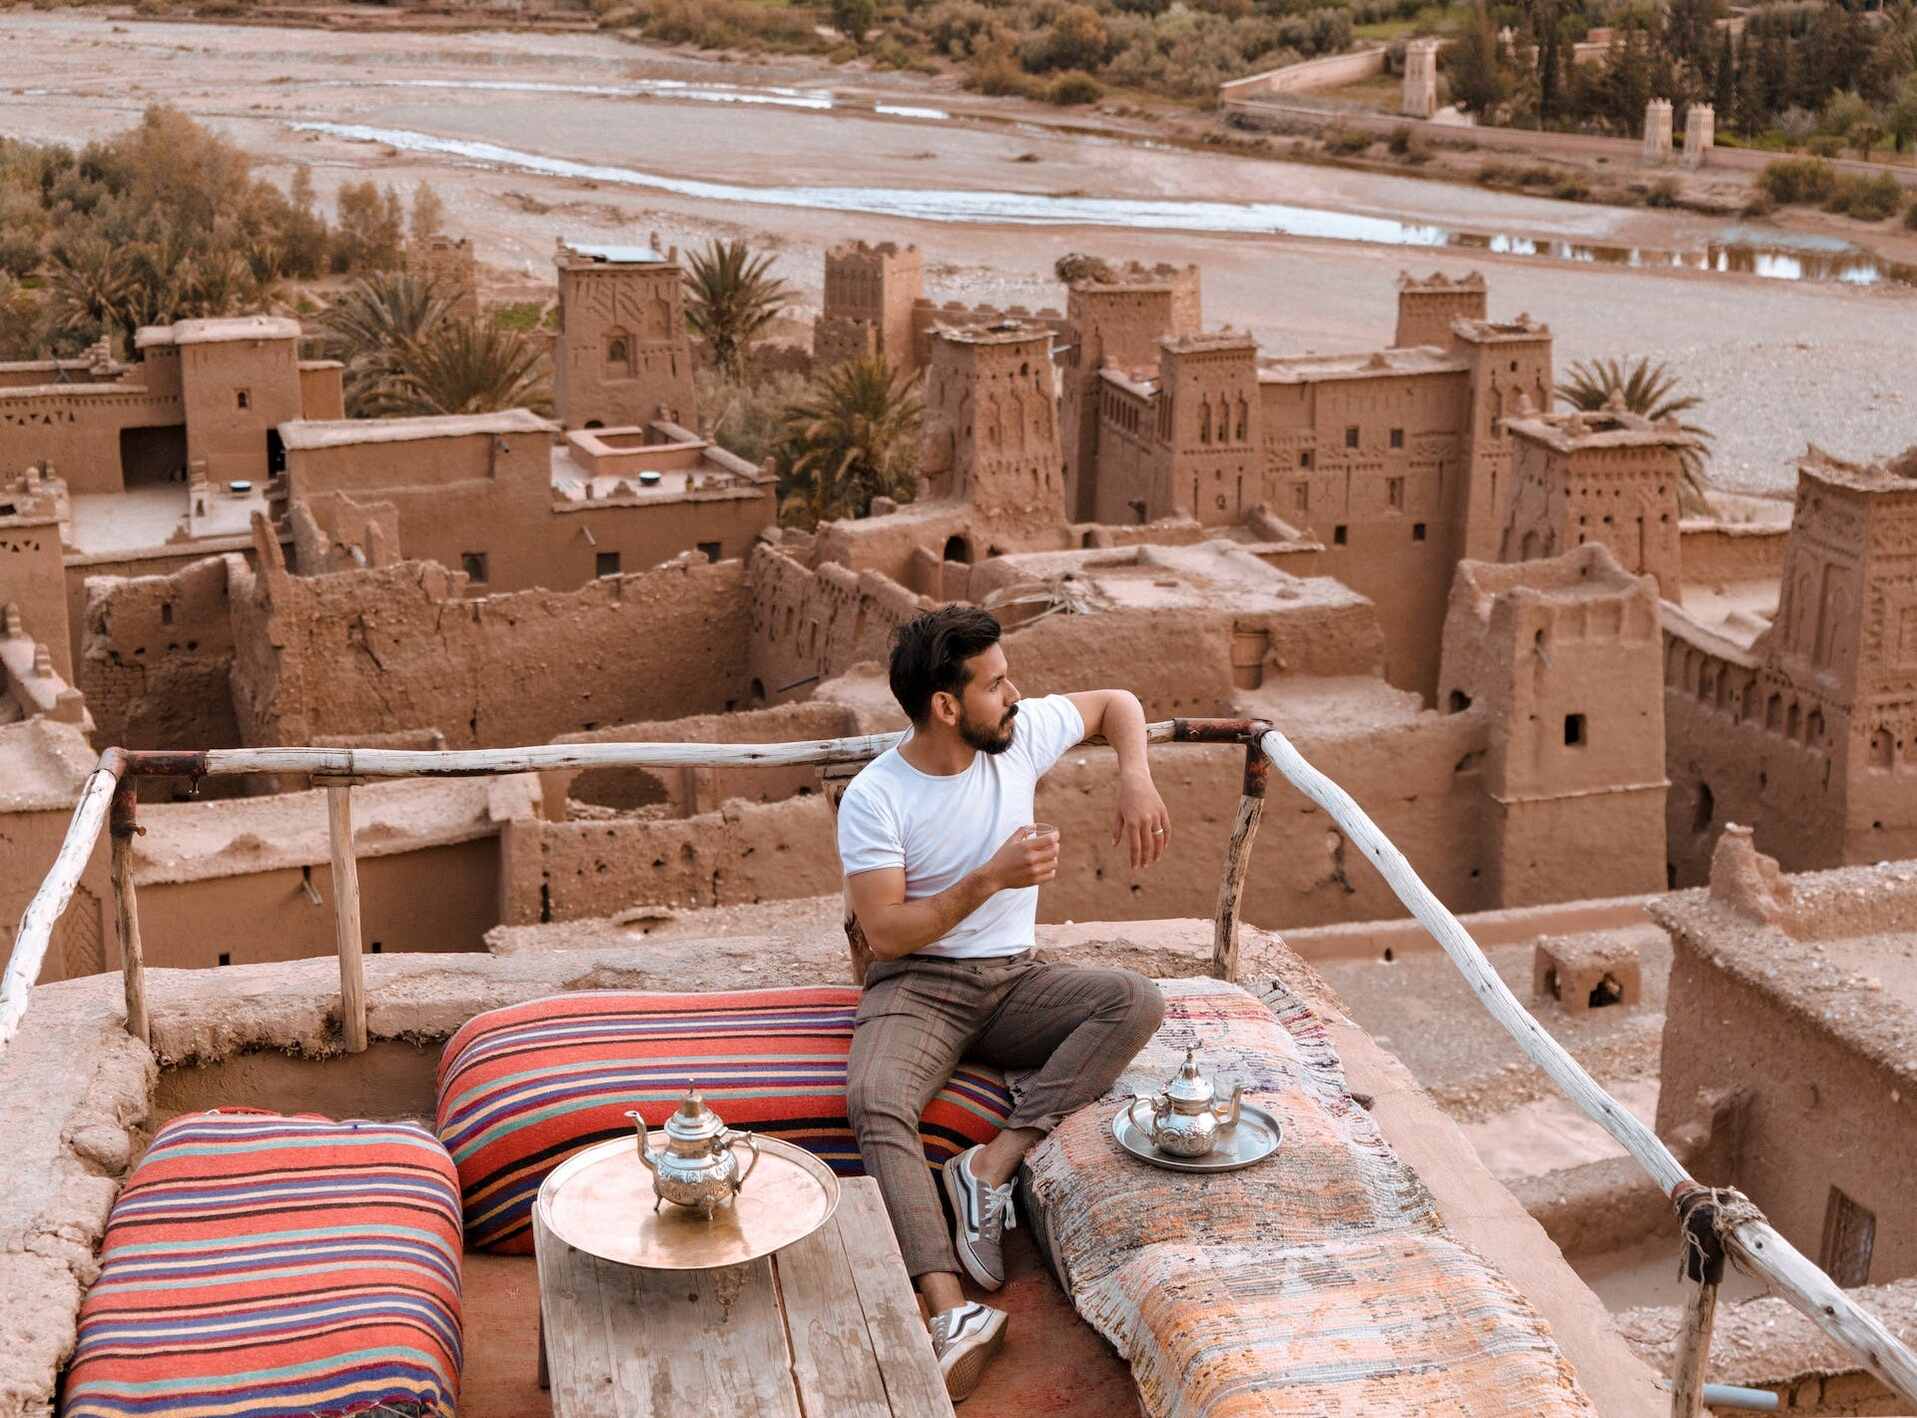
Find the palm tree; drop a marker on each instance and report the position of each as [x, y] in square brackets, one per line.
[731, 296]
[466, 367]
[1650, 391]
[854, 438]
[373, 323]
[90, 281]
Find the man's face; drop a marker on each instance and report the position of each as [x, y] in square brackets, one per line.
[988, 703]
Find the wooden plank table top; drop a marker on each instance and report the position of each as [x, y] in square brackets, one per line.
[829, 1325]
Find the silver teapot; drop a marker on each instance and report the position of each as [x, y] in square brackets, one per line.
[1186, 1118]
[698, 1167]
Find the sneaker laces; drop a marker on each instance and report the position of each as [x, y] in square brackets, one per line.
[996, 1213]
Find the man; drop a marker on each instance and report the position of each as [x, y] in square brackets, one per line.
[942, 871]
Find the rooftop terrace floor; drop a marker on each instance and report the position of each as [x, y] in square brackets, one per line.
[105, 523]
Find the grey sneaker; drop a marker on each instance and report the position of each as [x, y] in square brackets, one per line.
[965, 1341]
[981, 1216]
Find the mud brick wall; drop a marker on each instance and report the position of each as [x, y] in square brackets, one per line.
[156, 654]
[809, 625]
[403, 647]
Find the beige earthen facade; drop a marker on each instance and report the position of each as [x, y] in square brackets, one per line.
[624, 355]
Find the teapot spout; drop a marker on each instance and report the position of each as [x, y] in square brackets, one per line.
[647, 1158]
[1227, 1113]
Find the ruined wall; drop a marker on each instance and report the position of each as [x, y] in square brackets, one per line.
[158, 651]
[743, 852]
[721, 524]
[809, 625]
[154, 562]
[436, 898]
[30, 579]
[403, 648]
[694, 789]
[1303, 872]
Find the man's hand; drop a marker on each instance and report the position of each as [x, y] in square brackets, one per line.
[1141, 821]
[1023, 859]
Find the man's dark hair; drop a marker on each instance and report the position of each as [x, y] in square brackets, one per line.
[929, 655]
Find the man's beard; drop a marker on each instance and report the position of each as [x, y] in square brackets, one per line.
[988, 739]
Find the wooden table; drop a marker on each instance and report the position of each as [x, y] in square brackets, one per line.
[828, 1326]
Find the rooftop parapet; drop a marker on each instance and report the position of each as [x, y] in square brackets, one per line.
[222, 331]
[1438, 280]
[576, 254]
[1895, 474]
[1491, 332]
[1613, 427]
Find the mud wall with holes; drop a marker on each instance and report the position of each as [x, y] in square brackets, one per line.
[1742, 745]
[405, 648]
[1420, 779]
[436, 898]
[684, 791]
[156, 653]
[809, 625]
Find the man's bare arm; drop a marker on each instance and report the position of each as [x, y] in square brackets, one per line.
[894, 926]
[1140, 821]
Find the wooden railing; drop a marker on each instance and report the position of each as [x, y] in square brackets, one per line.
[1714, 1225]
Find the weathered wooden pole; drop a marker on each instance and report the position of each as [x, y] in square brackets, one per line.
[1231, 888]
[352, 970]
[123, 826]
[1704, 1268]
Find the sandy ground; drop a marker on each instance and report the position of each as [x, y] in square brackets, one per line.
[1777, 363]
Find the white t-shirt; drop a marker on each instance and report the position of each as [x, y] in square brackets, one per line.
[940, 827]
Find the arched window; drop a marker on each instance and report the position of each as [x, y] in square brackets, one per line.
[619, 350]
[1204, 422]
[1882, 749]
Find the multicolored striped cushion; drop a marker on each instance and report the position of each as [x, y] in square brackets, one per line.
[261, 1266]
[523, 1088]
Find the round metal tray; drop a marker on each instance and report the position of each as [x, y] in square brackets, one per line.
[600, 1201]
[1254, 1139]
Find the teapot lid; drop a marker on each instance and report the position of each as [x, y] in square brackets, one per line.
[693, 1121]
[1189, 1086]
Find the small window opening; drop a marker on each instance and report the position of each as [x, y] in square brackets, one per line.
[226, 957]
[1706, 810]
[1388, 956]
[1460, 701]
[606, 563]
[1850, 1231]
[1338, 537]
[1351, 436]
[1394, 493]
[1304, 458]
[473, 563]
[1397, 438]
[243, 398]
[710, 550]
[1607, 991]
[166, 612]
[375, 947]
[1417, 531]
[1574, 734]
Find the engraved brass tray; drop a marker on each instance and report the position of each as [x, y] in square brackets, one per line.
[1255, 1138]
[600, 1201]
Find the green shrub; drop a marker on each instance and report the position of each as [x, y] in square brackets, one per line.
[1346, 141]
[1825, 145]
[996, 75]
[1798, 180]
[1572, 189]
[1664, 193]
[1074, 87]
[1539, 176]
[1499, 174]
[1868, 199]
[1910, 215]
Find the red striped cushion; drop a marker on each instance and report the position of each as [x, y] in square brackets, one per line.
[523, 1088]
[262, 1266]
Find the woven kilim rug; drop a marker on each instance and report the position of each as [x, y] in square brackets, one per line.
[1320, 1282]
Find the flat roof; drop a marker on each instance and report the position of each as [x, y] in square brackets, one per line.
[207, 332]
[342, 433]
[1371, 364]
[1599, 428]
[43, 766]
[617, 255]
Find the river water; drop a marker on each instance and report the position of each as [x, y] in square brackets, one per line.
[1741, 250]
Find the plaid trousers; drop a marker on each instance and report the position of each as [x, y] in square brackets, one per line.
[1078, 1028]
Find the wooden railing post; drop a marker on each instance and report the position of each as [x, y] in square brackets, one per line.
[1231, 889]
[123, 827]
[1704, 1268]
[352, 971]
